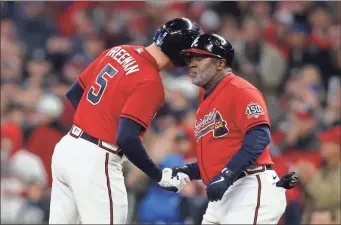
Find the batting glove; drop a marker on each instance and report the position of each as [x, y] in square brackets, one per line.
[288, 181]
[219, 185]
[173, 183]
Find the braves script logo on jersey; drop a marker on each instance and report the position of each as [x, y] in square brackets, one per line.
[212, 121]
[253, 110]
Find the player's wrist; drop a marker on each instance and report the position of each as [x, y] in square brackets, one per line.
[191, 170]
[229, 175]
[182, 169]
[159, 176]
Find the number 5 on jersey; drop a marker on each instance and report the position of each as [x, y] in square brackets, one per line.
[95, 96]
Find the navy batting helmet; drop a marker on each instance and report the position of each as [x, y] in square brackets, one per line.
[211, 45]
[177, 35]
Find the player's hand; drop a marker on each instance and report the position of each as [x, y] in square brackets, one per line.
[288, 181]
[219, 185]
[173, 183]
[181, 169]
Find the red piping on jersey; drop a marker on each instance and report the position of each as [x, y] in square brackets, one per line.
[109, 188]
[135, 119]
[81, 83]
[258, 199]
[257, 123]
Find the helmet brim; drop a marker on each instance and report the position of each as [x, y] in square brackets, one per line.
[195, 51]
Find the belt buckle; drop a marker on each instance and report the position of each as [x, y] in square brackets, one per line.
[76, 132]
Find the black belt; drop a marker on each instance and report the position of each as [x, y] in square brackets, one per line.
[98, 142]
[245, 172]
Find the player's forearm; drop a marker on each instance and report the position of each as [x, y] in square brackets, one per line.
[75, 94]
[133, 149]
[256, 140]
[129, 142]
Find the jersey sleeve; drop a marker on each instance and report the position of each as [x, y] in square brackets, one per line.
[143, 104]
[85, 78]
[250, 109]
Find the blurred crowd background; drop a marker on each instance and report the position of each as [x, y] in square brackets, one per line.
[289, 50]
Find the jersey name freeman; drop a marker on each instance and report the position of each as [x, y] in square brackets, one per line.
[122, 57]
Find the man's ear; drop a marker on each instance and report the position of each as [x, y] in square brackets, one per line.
[221, 64]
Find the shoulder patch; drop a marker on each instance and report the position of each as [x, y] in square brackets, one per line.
[253, 110]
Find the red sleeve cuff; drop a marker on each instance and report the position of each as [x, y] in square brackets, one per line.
[137, 120]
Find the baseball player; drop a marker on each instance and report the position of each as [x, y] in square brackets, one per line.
[115, 99]
[232, 133]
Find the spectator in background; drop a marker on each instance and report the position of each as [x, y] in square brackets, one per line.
[8, 30]
[92, 47]
[262, 11]
[325, 37]
[260, 63]
[28, 168]
[35, 209]
[333, 108]
[85, 28]
[276, 32]
[160, 142]
[34, 25]
[323, 185]
[38, 69]
[70, 71]
[11, 197]
[323, 216]
[335, 68]
[114, 31]
[180, 92]
[300, 52]
[18, 168]
[150, 210]
[301, 116]
[229, 29]
[304, 51]
[321, 23]
[11, 130]
[11, 65]
[47, 131]
[58, 50]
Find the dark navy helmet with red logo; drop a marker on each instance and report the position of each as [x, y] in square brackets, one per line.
[211, 45]
[175, 36]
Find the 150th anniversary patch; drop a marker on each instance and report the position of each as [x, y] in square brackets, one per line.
[253, 110]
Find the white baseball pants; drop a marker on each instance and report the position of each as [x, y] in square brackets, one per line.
[253, 199]
[88, 184]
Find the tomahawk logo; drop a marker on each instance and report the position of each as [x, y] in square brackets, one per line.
[212, 121]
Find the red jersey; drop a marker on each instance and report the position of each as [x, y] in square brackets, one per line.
[123, 81]
[222, 121]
